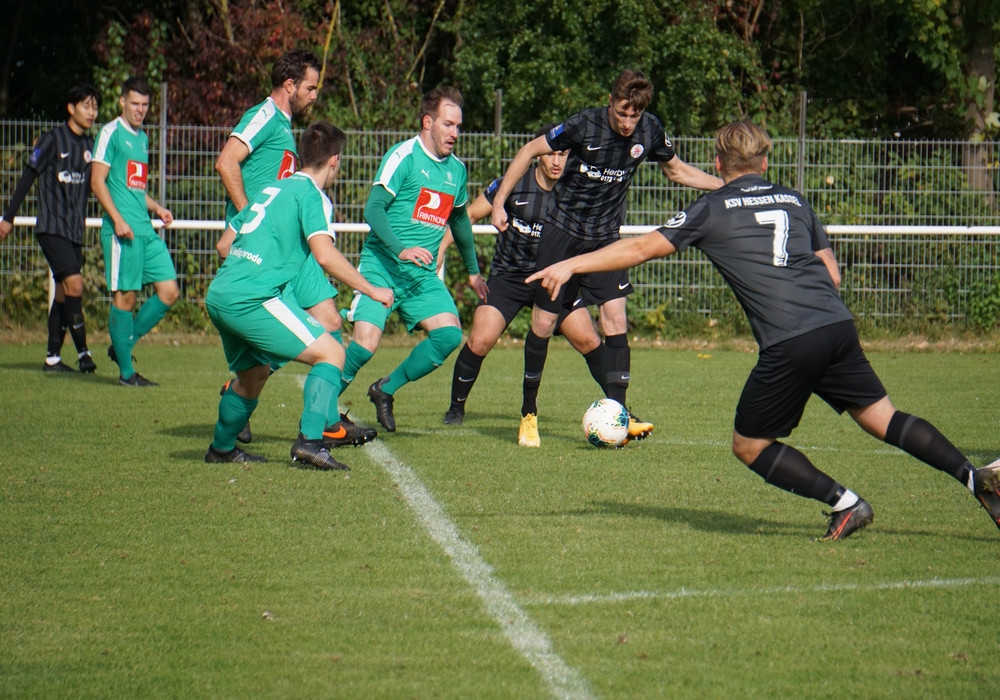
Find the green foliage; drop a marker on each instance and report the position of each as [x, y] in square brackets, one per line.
[553, 59]
[137, 49]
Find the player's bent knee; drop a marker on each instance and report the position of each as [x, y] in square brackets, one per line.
[169, 293]
[443, 342]
[481, 345]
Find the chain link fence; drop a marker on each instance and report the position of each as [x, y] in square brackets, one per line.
[915, 225]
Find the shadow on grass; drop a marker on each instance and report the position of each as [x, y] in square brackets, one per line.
[36, 368]
[196, 430]
[704, 520]
[735, 524]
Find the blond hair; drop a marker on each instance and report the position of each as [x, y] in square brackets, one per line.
[742, 147]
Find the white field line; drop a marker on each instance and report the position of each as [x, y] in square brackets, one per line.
[563, 680]
[820, 588]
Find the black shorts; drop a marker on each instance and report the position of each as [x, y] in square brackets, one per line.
[509, 294]
[599, 287]
[828, 362]
[63, 255]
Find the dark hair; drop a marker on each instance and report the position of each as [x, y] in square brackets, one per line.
[80, 93]
[431, 103]
[293, 66]
[634, 87]
[546, 129]
[137, 85]
[318, 142]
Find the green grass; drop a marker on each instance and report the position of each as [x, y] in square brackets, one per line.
[130, 568]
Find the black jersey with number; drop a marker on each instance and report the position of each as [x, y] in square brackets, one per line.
[517, 247]
[763, 239]
[62, 160]
[591, 195]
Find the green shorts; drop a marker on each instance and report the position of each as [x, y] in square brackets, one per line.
[256, 334]
[311, 285]
[131, 265]
[418, 296]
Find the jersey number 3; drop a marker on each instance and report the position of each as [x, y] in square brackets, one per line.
[777, 219]
[260, 211]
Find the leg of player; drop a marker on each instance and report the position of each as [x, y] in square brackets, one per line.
[536, 349]
[238, 401]
[619, 362]
[578, 329]
[922, 440]
[57, 332]
[341, 431]
[444, 334]
[319, 402]
[156, 307]
[72, 287]
[488, 324]
[783, 466]
[121, 330]
[151, 313]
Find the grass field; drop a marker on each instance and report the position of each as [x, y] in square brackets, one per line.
[451, 563]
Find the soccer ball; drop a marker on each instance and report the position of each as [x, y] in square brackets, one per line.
[605, 423]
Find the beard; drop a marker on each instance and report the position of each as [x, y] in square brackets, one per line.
[299, 107]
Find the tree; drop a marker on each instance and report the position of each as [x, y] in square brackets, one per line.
[552, 59]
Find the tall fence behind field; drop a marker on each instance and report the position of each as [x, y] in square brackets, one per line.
[916, 241]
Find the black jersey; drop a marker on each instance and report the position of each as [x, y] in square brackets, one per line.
[763, 239]
[517, 246]
[62, 160]
[591, 195]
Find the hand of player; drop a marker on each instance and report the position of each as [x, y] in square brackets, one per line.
[552, 278]
[499, 219]
[165, 216]
[384, 296]
[5, 228]
[123, 230]
[479, 285]
[417, 256]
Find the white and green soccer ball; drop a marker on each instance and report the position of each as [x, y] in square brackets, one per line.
[605, 423]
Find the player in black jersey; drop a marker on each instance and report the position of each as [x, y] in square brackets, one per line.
[513, 260]
[606, 145]
[60, 162]
[770, 247]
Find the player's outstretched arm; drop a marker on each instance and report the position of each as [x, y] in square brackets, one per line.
[620, 255]
[685, 174]
[539, 146]
[335, 264]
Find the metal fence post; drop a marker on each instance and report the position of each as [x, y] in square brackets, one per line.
[163, 150]
[800, 178]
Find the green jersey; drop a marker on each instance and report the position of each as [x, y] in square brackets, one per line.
[126, 153]
[272, 241]
[267, 133]
[425, 190]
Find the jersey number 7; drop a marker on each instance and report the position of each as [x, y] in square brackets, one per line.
[777, 219]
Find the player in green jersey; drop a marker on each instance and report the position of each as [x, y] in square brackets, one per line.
[420, 188]
[261, 149]
[134, 255]
[274, 235]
